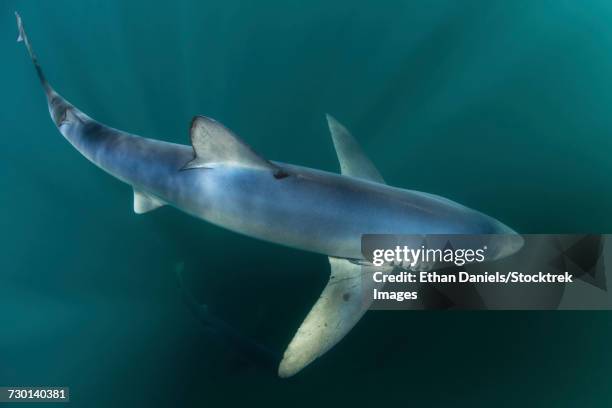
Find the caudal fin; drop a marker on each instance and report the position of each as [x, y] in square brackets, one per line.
[23, 37]
[58, 106]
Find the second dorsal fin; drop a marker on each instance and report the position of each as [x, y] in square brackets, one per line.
[214, 144]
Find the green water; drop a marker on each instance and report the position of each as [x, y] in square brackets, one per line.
[501, 105]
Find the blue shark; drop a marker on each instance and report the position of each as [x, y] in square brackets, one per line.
[220, 179]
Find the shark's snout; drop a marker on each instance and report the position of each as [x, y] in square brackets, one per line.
[512, 243]
[506, 241]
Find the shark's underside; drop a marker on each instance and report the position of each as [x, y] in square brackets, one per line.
[222, 180]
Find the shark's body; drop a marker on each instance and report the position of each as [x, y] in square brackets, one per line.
[221, 180]
[304, 208]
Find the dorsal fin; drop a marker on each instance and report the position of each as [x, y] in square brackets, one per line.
[214, 144]
[353, 162]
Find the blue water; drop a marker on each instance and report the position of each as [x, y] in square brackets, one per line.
[503, 106]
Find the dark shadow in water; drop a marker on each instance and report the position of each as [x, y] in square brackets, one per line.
[250, 352]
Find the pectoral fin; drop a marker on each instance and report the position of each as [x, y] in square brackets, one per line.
[353, 161]
[342, 303]
[145, 202]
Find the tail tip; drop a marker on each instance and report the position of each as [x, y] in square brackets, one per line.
[20, 38]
